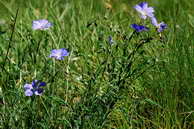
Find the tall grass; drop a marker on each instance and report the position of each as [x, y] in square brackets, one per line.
[140, 81]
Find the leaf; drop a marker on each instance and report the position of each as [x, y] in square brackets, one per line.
[191, 20]
[152, 102]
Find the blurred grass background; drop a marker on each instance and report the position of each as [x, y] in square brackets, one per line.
[163, 97]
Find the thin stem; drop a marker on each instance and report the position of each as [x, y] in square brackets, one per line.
[11, 38]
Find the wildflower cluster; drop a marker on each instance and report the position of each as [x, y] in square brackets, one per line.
[147, 12]
[36, 87]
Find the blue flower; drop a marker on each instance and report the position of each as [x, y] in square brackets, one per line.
[160, 27]
[59, 53]
[139, 28]
[35, 88]
[144, 10]
[110, 40]
[41, 24]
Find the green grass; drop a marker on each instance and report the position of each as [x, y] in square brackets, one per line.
[140, 81]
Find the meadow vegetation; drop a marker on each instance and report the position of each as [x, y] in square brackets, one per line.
[113, 76]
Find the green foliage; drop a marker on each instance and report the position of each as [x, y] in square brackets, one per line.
[140, 81]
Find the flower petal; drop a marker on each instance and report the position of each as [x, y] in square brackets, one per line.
[39, 91]
[144, 10]
[28, 92]
[139, 28]
[154, 21]
[42, 24]
[42, 84]
[59, 53]
[138, 8]
[35, 83]
[28, 86]
[162, 26]
[143, 4]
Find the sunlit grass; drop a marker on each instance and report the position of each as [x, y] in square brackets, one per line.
[98, 85]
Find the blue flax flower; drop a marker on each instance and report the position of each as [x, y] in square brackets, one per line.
[35, 88]
[160, 26]
[110, 40]
[59, 53]
[41, 24]
[139, 28]
[144, 10]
